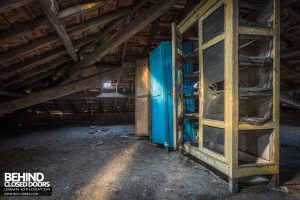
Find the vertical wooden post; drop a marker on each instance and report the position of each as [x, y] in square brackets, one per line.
[231, 92]
[201, 85]
[174, 91]
[276, 91]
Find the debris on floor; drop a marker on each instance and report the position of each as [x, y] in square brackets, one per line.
[118, 170]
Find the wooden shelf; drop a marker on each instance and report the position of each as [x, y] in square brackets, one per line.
[192, 77]
[192, 58]
[192, 116]
[194, 96]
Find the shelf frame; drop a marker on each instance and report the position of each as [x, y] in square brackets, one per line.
[228, 163]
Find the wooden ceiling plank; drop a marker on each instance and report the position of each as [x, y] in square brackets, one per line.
[32, 46]
[12, 4]
[23, 29]
[82, 8]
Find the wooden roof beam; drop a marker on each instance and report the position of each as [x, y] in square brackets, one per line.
[112, 25]
[12, 4]
[25, 28]
[33, 79]
[53, 64]
[10, 93]
[154, 31]
[49, 39]
[82, 8]
[32, 46]
[63, 90]
[51, 12]
[10, 71]
[133, 27]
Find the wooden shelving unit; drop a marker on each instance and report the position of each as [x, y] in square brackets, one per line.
[186, 73]
[239, 87]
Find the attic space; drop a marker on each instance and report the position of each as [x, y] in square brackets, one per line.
[150, 99]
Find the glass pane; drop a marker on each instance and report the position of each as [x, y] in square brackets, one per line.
[213, 75]
[213, 25]
[255, 109]
[256, 13]
[255, 79]
[213, 139]
[254, 146]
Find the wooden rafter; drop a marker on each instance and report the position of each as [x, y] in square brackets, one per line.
[53, 64]
[133, 27]
[41, 22]
[51, 12]
[23, 29]
[12, 4]
[112, 25]
[154, 31]
[10, 93]
[32, 80]
[4, 74]
[82, 8]
[53, 37]
[126, 42]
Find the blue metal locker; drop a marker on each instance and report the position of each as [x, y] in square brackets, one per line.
[161, 95]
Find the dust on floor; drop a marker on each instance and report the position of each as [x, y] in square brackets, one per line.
[108, 162]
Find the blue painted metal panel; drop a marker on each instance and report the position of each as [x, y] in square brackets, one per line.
[167, 58]
[158, 97]
[156, 72]
[158, 122]
[161, 94]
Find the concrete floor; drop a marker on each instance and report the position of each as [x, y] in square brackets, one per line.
[83, 163]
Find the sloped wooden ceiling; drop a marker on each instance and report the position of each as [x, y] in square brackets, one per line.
[37, 54]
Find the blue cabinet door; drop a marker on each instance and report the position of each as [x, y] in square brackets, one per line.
[157, 86]
[158, 96]
[158, 120]
[161, 94]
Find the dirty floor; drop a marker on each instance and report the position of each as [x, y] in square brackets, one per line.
[108, 162]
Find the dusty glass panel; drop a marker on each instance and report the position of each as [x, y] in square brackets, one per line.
[213, 76]
[256, 13]
[256, 109]
[255, 79]
[254, 146]
[213, 139]
[213, 25]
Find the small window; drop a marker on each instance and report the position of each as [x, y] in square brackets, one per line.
[107, 85]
